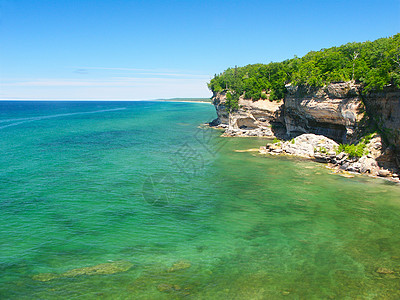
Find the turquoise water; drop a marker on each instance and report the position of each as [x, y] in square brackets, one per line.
[133, 200]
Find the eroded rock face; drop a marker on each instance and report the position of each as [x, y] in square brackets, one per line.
[333, 111]
[254, 118]
[219, 102]
[384, 108]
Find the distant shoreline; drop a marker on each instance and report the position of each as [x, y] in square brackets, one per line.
[103, 100]
[189, 101]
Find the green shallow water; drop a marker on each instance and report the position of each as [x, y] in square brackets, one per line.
[138, 183]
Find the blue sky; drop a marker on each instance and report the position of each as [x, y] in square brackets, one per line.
[162, 49]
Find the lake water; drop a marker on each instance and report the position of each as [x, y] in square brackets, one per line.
[135, 200]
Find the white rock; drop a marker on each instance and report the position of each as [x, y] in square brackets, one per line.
[383, 173]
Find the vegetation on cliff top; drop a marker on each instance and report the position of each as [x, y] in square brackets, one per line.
[374, 64]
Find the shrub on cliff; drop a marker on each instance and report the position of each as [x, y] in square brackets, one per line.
[232, 102]
[356, 150]
[352, 150]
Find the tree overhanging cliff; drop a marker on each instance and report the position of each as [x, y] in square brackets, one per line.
[373, 65]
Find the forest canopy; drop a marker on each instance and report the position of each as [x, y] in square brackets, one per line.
[373, 64]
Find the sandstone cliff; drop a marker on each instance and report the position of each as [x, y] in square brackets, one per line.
[334, 111]
[384, 109]
[254, 118]
[339, 111]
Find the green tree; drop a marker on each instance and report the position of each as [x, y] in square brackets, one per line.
[374, 64]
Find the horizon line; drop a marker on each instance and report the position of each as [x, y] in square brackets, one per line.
[157, 99]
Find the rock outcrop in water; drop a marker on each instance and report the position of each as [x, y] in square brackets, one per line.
[323, 149]
[305, 145]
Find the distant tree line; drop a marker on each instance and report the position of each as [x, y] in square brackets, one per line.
[374, 64]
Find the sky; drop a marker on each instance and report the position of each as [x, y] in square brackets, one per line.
[137, 50]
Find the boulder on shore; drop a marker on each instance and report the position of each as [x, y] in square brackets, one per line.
[306, 145]
[323, 149]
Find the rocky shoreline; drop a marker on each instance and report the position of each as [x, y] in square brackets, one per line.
[312, 123]
[377, 162]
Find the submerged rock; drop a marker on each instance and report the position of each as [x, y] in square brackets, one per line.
[384, 271]
[180, 265]
[387, 273]
[45, 276]
[101, 269]
[166, 287]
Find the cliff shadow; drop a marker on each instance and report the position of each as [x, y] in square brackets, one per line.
[279, 130]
